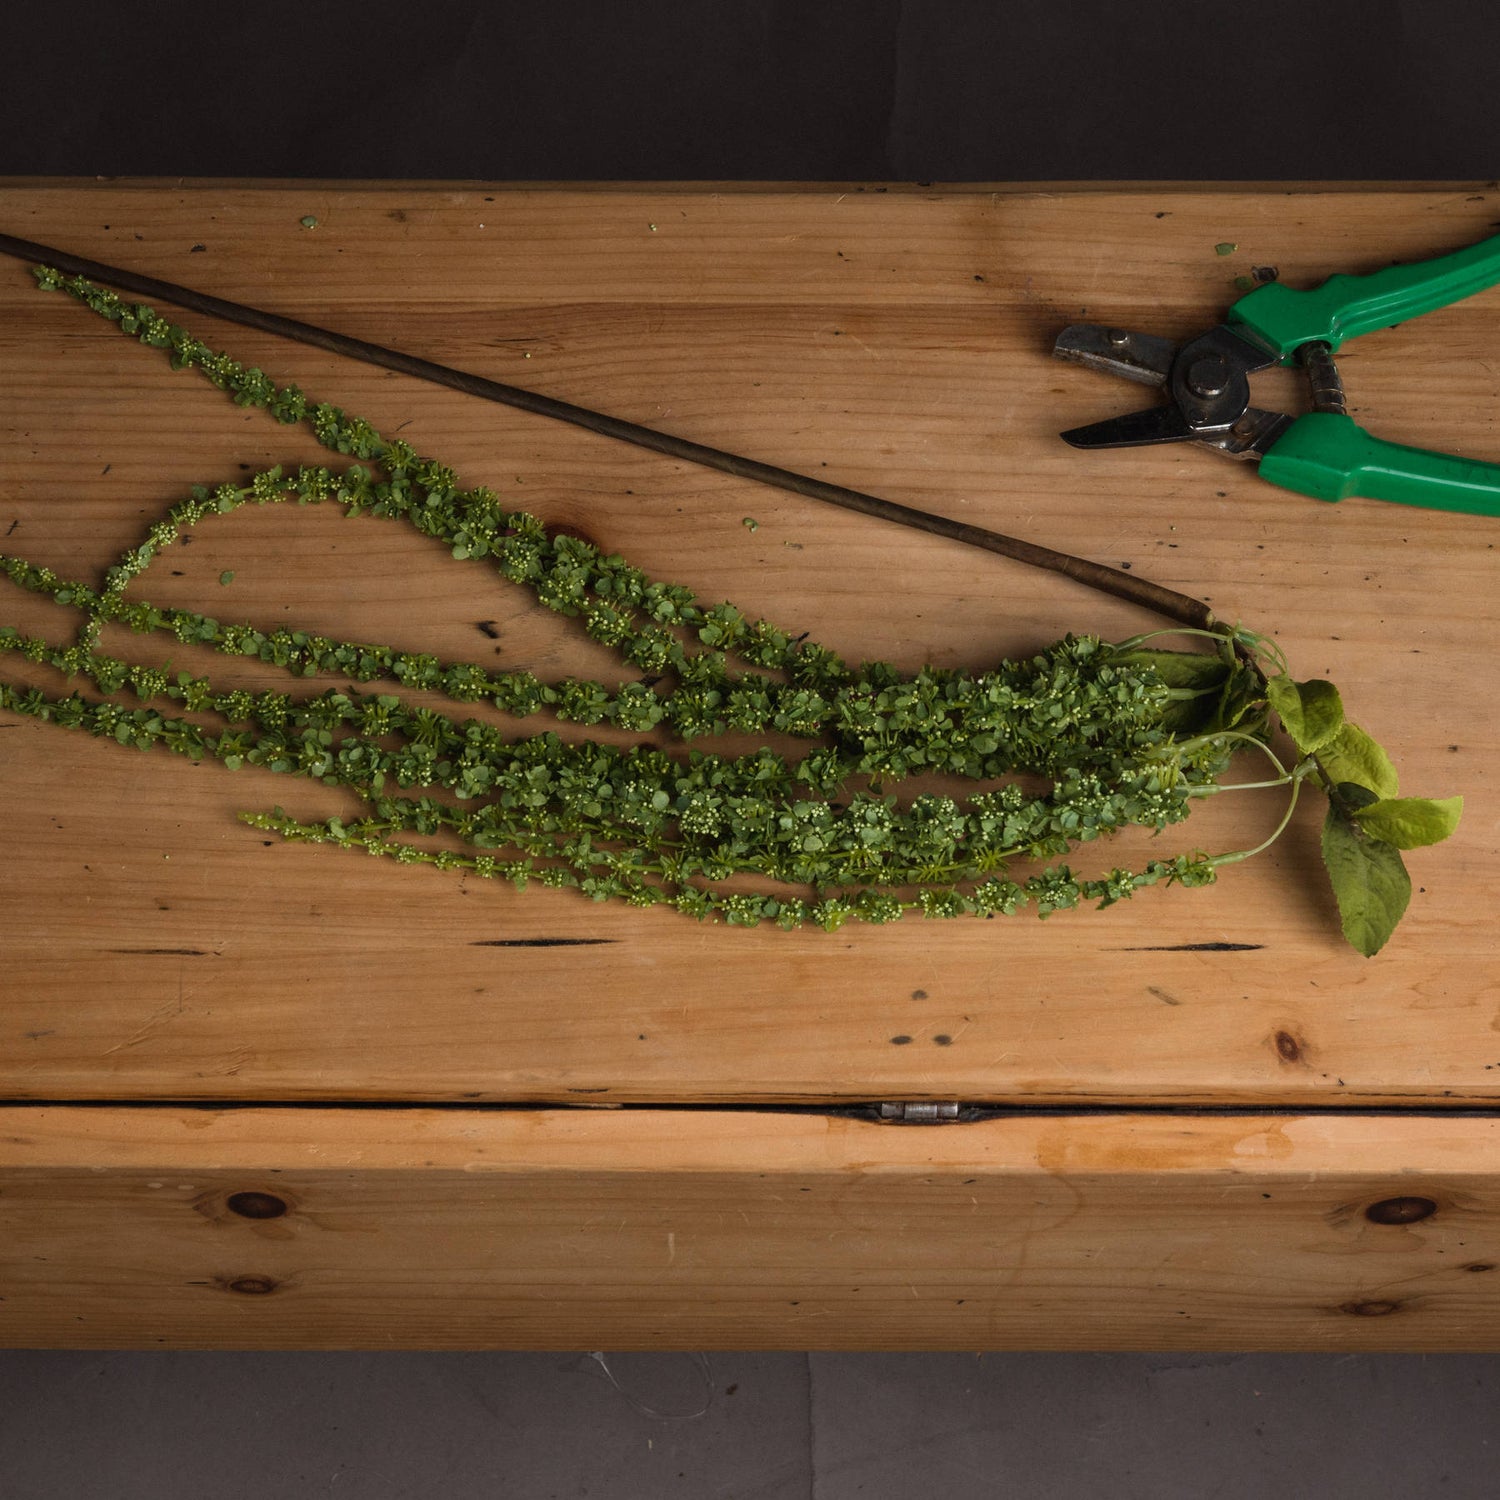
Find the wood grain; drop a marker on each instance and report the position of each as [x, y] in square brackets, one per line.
[894, 341]
[635, 1229]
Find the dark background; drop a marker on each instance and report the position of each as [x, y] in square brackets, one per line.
[813, 90]
[948, 90]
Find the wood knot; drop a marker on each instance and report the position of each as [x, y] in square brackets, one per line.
[1288, 1047]
[1370, 1309]
[1401, 1210]
[256, 1205]
[252, 1286]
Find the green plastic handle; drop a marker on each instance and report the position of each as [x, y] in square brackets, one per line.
[1344, 307]
[1331, 457]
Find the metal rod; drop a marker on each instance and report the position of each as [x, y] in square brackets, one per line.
[1164, 601]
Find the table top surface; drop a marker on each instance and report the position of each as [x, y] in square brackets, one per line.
[891, 340]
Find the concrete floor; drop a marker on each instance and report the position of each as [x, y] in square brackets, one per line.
[748, 1426]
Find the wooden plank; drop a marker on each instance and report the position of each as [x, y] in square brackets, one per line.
[633, 1229]
[896, 341]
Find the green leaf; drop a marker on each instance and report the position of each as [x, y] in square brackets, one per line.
[1351, 755]
[1240, 692]
[1311, 712]
[1369, 881]
[1181, 669]
[1208, 693]
[1353, 796]
[1411, 822]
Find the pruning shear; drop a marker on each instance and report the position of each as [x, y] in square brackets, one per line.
[1325, 453]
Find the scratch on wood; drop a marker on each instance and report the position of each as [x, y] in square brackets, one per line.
[236, 1060]
[1163, 996]
[184, 952]
[559, 942]
[153, 1022]
[1192, 948]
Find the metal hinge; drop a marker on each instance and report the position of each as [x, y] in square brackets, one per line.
[921, 1112]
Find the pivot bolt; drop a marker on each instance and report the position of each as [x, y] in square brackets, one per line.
[1208, 376]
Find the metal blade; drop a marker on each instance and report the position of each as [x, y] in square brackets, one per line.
[1157, 424]
[1251, 436]
[1140, 357]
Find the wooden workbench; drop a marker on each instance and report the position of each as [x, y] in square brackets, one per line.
[258, 1096]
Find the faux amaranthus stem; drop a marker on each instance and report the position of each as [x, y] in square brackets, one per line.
[636, 823]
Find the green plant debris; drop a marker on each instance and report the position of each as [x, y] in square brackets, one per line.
[1070, 744]
[227, 576]
[308, 221]
[1225, 247]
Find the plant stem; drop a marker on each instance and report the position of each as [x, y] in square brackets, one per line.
[1238, 854]
[1213, 789]
[1188, 746]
